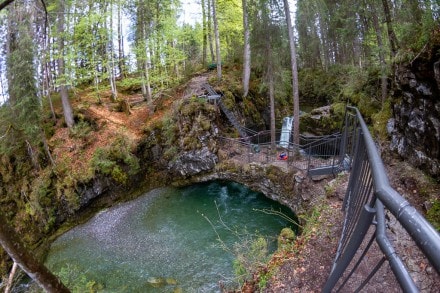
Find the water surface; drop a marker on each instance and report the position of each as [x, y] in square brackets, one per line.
[168, 233]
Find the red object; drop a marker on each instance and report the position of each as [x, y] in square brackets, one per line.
[282, 157]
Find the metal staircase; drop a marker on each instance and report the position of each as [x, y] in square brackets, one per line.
[213, 95]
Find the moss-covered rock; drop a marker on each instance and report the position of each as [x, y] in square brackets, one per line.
[286, 238]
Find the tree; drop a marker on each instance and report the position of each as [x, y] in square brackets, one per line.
[121, 57]
[294, 74]
[211, 48]
[383, 65]
[33, 268]
[205, 33]
[67, 108]
[217, 40]
[246, 51]
[391, 35]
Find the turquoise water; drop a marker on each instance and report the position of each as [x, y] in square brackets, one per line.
[167, 233]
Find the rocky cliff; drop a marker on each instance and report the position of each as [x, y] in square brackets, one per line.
[415, 125]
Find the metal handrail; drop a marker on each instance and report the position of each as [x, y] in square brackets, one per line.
[368, 193]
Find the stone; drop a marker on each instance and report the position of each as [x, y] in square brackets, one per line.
[171, 281]
[193, 162]
[391, 125]
[156, 282]
[415, 125]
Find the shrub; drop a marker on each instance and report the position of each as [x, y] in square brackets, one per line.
[108, 160]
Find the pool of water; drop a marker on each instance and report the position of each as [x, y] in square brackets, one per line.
[169, 234]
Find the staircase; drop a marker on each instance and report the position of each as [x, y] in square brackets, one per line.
[213, 95]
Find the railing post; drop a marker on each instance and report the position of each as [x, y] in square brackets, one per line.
[342, 263]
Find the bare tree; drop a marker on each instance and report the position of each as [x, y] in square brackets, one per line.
[211, 49]
[67, 108]
[205, 33]
[247, 50]
[217, 40]
[294, 74]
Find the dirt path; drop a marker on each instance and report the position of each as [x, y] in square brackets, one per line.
[307, 268]
[194, 86]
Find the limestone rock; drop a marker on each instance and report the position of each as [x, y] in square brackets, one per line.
[415, 125]
[193, 162]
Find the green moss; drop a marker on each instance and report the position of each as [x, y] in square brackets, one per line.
[109, 160]
[380, 120]
[286, 238]
[433, 214]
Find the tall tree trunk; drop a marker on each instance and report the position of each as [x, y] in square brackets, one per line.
[247, 51]
[217, 40]
[34, 269]
[391, 34]
[110, 61]
[294, 74]
[67, 108]
[121, 61]
[205, 34]
[270, 78]
[383, 65]
[211, 48]
[146, 87]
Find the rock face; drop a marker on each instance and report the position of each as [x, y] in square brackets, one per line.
[415, 126]
[194, 162]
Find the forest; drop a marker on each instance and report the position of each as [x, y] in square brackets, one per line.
[60, 60]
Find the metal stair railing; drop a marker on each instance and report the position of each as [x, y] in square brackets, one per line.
[213, 95]
[368, 195]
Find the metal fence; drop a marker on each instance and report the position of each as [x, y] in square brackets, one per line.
[368, 198]
[312, 155]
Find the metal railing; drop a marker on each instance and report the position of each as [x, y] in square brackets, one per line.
[368, 202]
[316, 155]
[367, 199]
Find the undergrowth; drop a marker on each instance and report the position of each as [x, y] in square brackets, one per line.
[116, 160]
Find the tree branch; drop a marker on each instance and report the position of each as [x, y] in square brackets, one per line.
[5, 3]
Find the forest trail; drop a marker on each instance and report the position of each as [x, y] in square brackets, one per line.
[195, 86]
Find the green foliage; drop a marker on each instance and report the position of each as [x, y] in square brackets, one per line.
[67, 180]
[433, 214]
[74, 278]
[250, 254]
[129, 85]
[81, 130]
[380, 120]
[170, 130]
[110, 160]
[41, 200]
[286, 238]
[318, 86]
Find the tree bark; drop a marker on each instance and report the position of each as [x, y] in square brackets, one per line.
[391, 35]
[121, 57]
[211, 48]
[205, 35]
[34, 269]
[67, 108]
[110, 61]
[5, 3]
[383, 65]
[247, 50]
[294, 74]
[217, 41]
[271, 97]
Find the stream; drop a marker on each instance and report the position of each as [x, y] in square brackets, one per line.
[167, 240]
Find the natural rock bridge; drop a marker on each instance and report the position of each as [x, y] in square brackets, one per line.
[369, 204]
